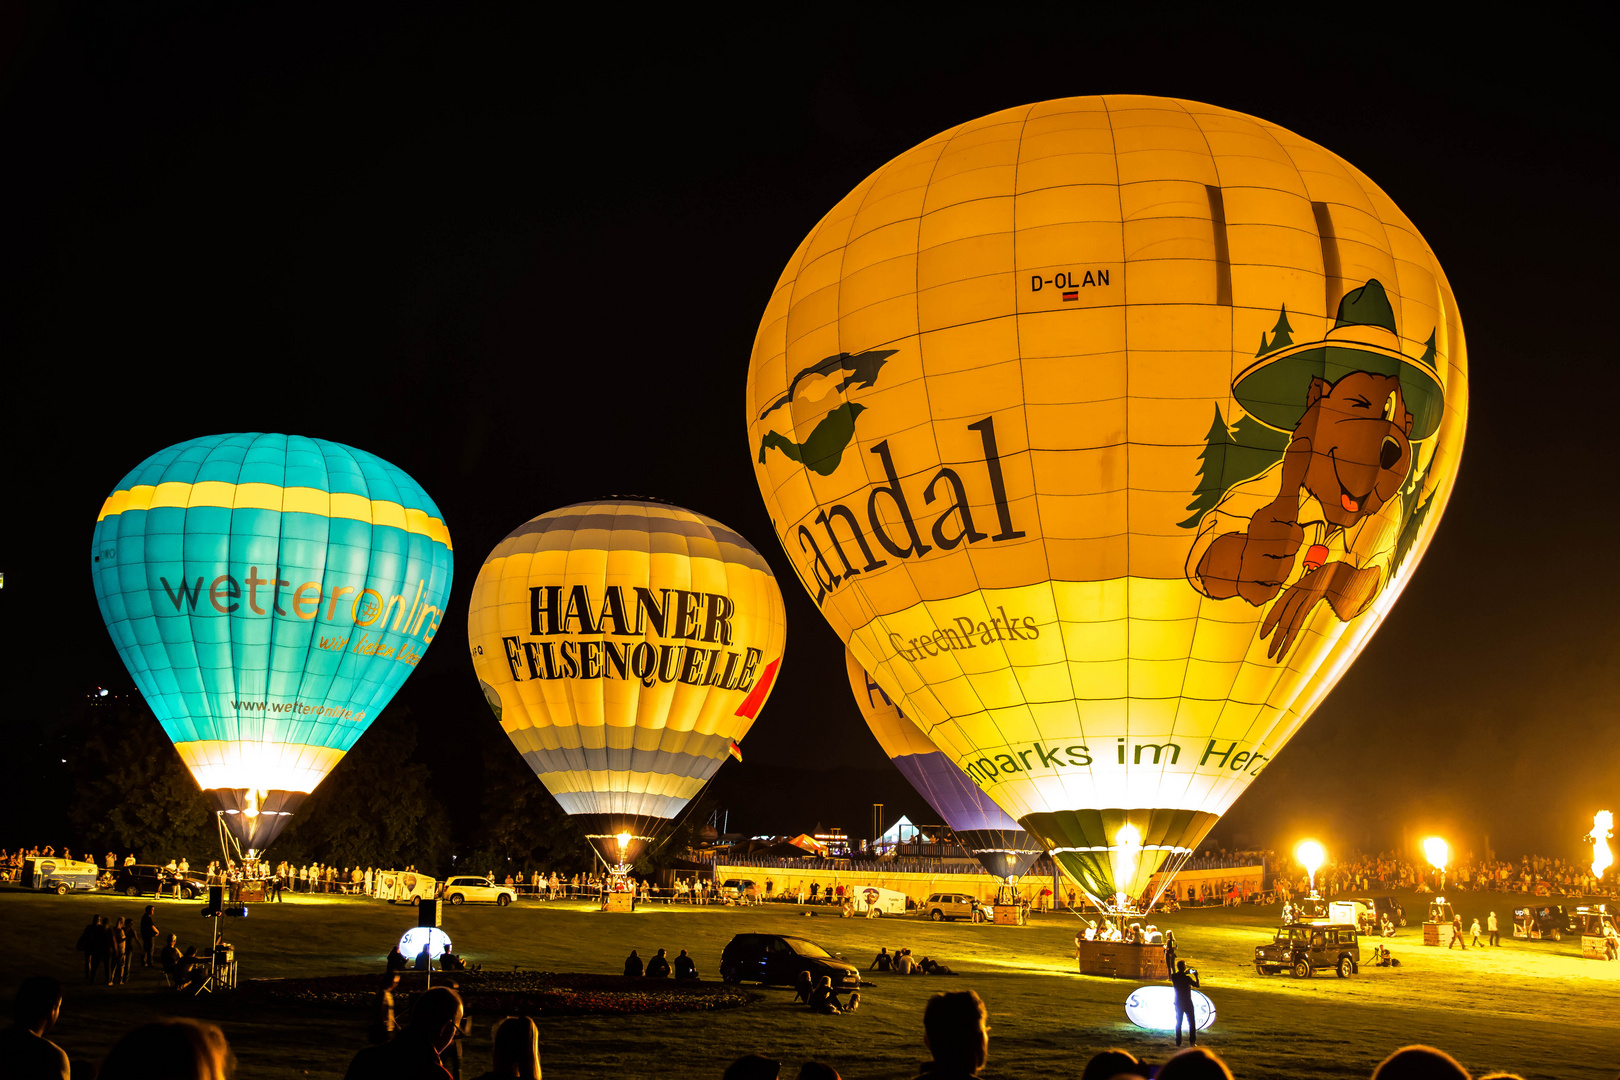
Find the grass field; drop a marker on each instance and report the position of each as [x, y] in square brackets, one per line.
[1533, 1008]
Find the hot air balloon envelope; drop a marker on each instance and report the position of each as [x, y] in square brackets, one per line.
[1105, 431]
[269, 594]
[1002, 848]
[625, 646]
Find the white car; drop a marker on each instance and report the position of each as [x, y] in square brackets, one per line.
[473, 890]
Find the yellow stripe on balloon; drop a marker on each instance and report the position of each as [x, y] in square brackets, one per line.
[264, 766]
[300, 500]
[602, 782]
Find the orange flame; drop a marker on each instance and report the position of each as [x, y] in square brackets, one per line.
[1602, 829]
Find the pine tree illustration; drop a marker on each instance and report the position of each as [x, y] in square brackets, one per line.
[1428, 351]
[1230, 456]
[1282, 335]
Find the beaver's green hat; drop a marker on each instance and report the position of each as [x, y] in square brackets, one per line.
[1274, 388]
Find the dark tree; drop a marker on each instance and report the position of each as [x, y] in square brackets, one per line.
[131, 793]
[377, 808]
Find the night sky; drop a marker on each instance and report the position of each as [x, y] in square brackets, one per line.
[525, 260]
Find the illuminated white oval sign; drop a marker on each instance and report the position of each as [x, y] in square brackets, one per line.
[1154, 1008]
[436, 940]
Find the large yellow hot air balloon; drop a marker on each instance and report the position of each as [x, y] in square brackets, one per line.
[1106, 431]
[626, 647]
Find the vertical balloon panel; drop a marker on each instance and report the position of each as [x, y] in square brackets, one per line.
[269, 594]
[1105, 431]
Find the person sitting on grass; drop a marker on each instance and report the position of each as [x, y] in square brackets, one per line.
[684, 967]
[396, 960]
[882, 960]
[632, 965]
[1195, 1063]
[956, 1035]
[1418, 1063]
[25, 1048]
[658, 966]
[823, 999]
[802, 986]
[903, 963]
[414, 1053]
[516, 1050]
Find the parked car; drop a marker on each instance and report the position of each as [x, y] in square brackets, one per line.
[145, 880]
[474, 890]
[1547, 923]
[944, 905]
[737, 888]
[1305, 948]
[778, 958]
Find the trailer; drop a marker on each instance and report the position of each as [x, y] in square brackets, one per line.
[405, 887]
[60, 876]
[879, 901]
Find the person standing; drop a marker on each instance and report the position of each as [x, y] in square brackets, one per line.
[1495, 936]
[1184, 981]
[118, 954]
[1456, 933]
[1474, 931]
[103, 942]
[382, 1024]
[87, 945]
[1170, 950]
[149, 934]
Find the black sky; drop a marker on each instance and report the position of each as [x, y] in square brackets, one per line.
[524, 259]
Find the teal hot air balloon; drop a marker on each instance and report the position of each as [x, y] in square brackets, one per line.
[269, 593]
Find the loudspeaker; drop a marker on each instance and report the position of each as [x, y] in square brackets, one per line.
[216, 901]
[429, 912]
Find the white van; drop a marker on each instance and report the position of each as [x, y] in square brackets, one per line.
[870, 898]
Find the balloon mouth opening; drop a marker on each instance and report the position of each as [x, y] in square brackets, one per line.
[255, 817]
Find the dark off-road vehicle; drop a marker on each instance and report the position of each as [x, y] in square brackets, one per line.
[1305, 947]
[778, 958]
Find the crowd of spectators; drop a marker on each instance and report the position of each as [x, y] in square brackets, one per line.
[1532, 874]
[955, 1035]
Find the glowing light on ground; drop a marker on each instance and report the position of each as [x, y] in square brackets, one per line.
[1154, 1008]
[436, 940]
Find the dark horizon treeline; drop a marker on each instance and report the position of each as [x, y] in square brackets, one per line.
[410, 792]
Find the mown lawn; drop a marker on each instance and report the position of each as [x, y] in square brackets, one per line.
[1533, 1008]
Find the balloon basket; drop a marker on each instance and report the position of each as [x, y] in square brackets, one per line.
[1439, 934]
[619, 901]
[1119, 960]
[1007, 914]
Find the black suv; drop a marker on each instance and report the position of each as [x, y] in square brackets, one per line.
[139, 880]
[1305, 947]
[774, 958]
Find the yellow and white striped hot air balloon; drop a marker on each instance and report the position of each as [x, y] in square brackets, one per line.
[626, 647]
[1105, 431]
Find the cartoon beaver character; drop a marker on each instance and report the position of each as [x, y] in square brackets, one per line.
[1322, 523]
